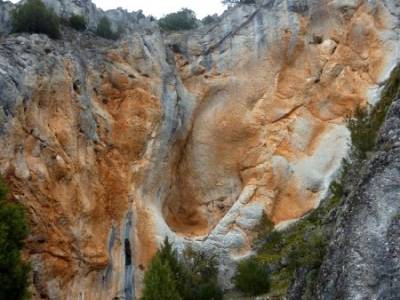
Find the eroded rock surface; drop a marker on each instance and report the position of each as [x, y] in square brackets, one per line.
[113, 145]
[363, 257]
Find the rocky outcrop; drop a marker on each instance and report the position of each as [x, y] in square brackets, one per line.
[78, 116]
[113, 145]
[363, 257]
[121, 20]
[5, 16]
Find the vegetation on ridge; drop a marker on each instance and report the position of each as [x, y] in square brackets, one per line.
[14, 272]
[185, 19]
[34, 17]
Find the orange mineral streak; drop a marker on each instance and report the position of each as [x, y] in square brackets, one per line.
[248, 116]
[74, 188]
[258, 113]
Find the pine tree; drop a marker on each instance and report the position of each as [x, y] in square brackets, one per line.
[193, 277]
[14, 272]
[159, 282]
[169, 256]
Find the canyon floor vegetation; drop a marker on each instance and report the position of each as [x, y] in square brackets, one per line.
[14, 271]
[191, 276]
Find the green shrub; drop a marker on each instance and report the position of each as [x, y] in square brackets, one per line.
[14, 272]
[364, 125]
[302, 245]
[252, 277]
[104, 29]
[77, 22]
[209, 290]
[169, 256]
[34, 17]
[159, 282]
[194, 276]
[208, 20]
[184, 19]
[200, 276]
[264, 227]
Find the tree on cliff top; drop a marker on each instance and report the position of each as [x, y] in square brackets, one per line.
[14, 271]
[34, 17]
[185, 19]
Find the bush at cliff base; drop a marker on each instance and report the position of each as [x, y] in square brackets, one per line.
[14, 272]
[192, 277]
[199, 276]
[159, 282]
[252, 277]
[34, 17]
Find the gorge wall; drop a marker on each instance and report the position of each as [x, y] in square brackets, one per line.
[112, 146]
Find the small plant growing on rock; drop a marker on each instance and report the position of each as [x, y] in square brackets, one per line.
[77, 22]
[252, 277]
[34, 17]
[365, 124]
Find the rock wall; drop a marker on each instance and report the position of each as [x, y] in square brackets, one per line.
[5, 17]
[365, 242]
[113, 145]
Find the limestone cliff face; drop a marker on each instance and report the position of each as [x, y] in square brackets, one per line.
[366, 238]
[113, 145]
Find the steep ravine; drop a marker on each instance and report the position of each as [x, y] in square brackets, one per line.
[112, 145]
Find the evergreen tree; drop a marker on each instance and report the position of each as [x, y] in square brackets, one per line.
[185, 19]
[77, 22]
[13, 230]
[252, 277]
[169, 256]
[159, 282]
[34, 17]
[104, 29]
[194, 276]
